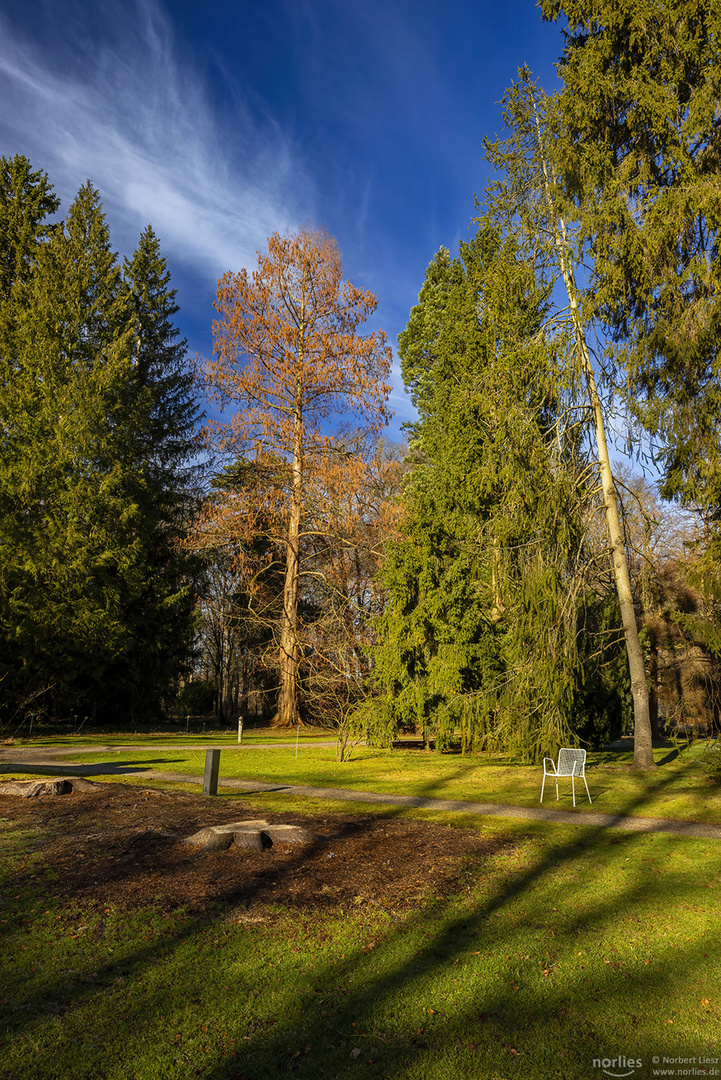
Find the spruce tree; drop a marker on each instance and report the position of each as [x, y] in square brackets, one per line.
[525, 198]
[163, 413]
[68, 519]
[97, 422]
[161, 370]
[26, 200]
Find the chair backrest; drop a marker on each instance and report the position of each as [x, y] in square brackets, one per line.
[567, 758]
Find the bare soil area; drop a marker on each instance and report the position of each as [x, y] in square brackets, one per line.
[123, 844]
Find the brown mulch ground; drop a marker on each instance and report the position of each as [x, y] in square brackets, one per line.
[122, 844]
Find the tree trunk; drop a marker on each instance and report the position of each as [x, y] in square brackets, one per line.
[496, 601]
[642, 744]
[288, 713]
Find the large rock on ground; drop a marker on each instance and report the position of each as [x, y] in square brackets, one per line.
[61, 785]
[256, 835]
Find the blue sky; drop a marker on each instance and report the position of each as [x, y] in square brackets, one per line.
[221, 123]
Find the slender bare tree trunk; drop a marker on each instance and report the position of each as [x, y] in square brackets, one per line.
[642, 743]
[288, 711]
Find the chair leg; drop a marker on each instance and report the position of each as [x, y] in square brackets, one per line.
[543, 786]
[556, 789]
[573, 788]
[587, 791]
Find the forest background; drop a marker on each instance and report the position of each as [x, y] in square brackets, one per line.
[465, 585]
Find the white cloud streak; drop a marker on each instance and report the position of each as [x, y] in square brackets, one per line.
[94, 89]
[127, 111]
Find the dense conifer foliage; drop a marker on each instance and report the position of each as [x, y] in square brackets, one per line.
[640, 153]
[480, 626]
[97, 418]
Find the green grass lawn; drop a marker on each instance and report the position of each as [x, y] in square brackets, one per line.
[677, 789]
[571, 944]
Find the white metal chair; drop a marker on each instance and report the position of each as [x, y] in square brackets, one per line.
[570, 763]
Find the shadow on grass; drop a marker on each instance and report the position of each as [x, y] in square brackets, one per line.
[97, 768]
[500, 1028]
[672, 755]
[392, 996]
[623, 756]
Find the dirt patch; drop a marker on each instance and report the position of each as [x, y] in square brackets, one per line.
[123, 845]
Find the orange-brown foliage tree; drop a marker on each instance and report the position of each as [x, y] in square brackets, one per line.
[307, 387]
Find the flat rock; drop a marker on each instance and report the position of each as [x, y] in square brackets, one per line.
[256, 835]
[29, 789]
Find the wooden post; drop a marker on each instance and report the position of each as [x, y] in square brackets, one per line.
[240, 729]
[212, 767]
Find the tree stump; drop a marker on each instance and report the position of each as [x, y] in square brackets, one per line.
[254, 835]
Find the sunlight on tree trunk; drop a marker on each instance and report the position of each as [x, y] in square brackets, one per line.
[642, 745]
[289, 651]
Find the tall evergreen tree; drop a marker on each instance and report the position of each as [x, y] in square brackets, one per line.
[97, 417]
[161, 371]
[67, 517]
[525, 198]
[164, 411]
[480, 626]
[26, 200]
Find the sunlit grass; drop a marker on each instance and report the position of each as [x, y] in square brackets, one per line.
[569, 945]
[677, 789]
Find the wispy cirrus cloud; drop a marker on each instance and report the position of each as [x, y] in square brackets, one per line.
[118, 103]
[178, 135]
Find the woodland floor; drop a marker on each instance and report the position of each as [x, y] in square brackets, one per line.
[122, 845]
